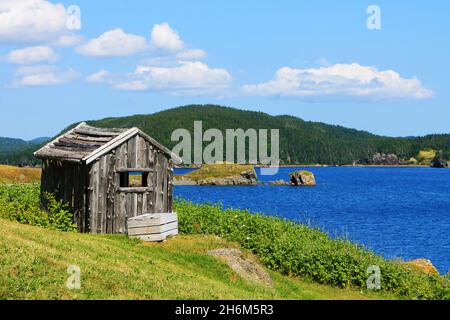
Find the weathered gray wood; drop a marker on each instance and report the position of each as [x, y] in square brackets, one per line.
[111, 190]
[160, 177]
[158, 237]
[132, 154]
[87, 138]
[164, 190]
[170, 187]
[135, 204]
[121, 169]
[93, 189]
[139, 204]
[94, 185]
[152, 229]
[57, 154]
[122, 213]
[149, 219]
[134, 190]
[96, 132]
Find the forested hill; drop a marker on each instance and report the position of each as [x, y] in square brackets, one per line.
[301, 142]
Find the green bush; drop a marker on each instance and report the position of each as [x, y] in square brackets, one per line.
[21, 202]
[299, 250]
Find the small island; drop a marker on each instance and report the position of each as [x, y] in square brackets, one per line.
[219, 174]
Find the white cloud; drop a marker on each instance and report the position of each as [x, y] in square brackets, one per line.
[100, 76]
[32, 21]
[187, 78]
[32, 55]
[347, 80]
[165, 38]
[113, 43]
[37, 76]
[192, 54]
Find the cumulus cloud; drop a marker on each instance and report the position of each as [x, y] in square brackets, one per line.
[192, 54]
[32, 21]
[165, 38]
[347, 80]
[32, 55]
[38, 76]
[113, 43]
[187, 78]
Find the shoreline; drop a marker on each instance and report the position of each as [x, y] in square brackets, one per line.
[331, 165]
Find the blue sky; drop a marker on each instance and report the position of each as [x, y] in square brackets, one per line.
[313, 59]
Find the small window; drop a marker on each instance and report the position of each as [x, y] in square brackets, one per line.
[134, 179]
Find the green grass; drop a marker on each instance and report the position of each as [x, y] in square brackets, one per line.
[304, 263]
[221, 170]
[35, 260]
[294, 249]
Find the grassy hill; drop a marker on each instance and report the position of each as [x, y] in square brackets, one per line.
[302, 263]
[35, 260]
[301, 141]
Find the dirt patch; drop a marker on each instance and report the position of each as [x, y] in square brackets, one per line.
[244, 267]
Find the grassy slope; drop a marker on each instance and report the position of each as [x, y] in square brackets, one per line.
[34, 263]
[10, 174]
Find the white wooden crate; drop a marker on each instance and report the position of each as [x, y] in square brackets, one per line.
[153, 226]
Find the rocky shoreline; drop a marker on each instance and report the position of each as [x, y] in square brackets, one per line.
[238, 175]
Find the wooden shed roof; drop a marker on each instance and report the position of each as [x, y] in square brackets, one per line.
[85, 143]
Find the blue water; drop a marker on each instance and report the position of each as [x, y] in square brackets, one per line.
[397, 212]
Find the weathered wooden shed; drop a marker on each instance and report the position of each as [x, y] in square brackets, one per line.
[108, 176]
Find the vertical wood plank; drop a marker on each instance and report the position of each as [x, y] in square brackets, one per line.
[131, 161]
[170, 187]
[93, 197]
[165, 172]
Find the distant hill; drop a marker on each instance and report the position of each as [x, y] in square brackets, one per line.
[18, 151]
[301, 142]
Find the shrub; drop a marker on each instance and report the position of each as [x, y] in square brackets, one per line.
[298, 250]
[21, 202]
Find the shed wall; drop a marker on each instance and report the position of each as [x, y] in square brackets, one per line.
[109, 205]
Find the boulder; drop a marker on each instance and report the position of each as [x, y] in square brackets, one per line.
[423, 265]
[302, 178]
[245, 267]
